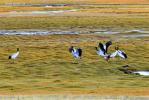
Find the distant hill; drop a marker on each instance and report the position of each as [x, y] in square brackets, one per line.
[75, 1]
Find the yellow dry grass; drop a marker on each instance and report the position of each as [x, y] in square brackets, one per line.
[117, 10]
[44, 66]
[9, 8]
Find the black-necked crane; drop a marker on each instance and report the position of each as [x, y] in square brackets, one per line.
[129, 71]
[103, 50]
[14, 55]
[105, 55]
[76, 52]
[118, 52]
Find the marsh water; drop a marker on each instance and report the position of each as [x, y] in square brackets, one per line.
[124, 33]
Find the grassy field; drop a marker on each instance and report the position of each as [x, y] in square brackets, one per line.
[96, 8]
[97, 16]
[43, 22]
[45, 66]
[36, 8]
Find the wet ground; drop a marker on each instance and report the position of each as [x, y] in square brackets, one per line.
[72, 97]
[71, 12]
[35, 13]
[127, 33]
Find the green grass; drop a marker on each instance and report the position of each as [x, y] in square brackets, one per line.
[45, 64]
[43, 22]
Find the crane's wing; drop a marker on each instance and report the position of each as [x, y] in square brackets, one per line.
[107, 45]
[101, 53]
[101, 46]
[80, 52]
[122, 54]
[75, 53]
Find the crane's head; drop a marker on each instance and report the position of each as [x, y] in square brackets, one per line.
[17, 49]
[96, 48]
[99, 45]
[71, 48]
[116, 48]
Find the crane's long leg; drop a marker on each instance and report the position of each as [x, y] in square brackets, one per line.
[74, 61]
[77, 61]
[11, 61]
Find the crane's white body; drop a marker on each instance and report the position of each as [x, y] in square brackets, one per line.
[101, 53]
[144, 73]
[104, 46]
[120, 53]
[15, 55]
[117, 52]
[75, 53]
[112, 55]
